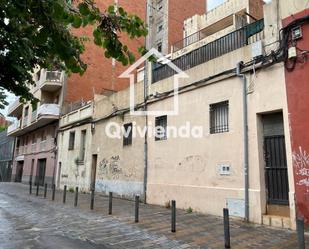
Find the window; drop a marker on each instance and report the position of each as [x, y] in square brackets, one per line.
[71, 140]
[33, 139]
[26, 111]
[43, 136]
[127, 135]
[160, 27]
[82, 145]
[161, 123]
[219, 117]
[160, 46]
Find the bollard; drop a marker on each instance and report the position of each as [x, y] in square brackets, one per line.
[45, 190]
[92, 199]
[226, 221]
[300, 233]
[53, 194]
[76, 197]
[136, 208]
[37, 188]
[30, 187]
[110, 203]
[64, 193]
[173, 228]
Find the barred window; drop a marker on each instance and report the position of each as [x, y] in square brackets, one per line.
[219, 117]
[127, 135]
[72, 140]
[161, 123]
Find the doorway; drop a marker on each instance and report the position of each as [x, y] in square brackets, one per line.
[93, 171]
[276, 174]
[19, 171]
[41, 171]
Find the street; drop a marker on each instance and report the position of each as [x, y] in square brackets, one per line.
[28, 221]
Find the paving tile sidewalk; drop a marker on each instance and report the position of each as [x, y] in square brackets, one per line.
[193, 230]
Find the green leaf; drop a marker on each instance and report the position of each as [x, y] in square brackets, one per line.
[111, 9]
[83, 9]
[77, 22]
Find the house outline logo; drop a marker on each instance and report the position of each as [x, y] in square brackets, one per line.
[179, 74]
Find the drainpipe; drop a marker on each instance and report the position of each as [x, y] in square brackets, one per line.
[145, 105]
[245, 137]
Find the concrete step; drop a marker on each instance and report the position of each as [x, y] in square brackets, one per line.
[276, 221]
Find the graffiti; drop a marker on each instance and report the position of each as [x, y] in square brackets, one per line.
[110, 167]
[301, 164]
[301, 159]
[304, 182]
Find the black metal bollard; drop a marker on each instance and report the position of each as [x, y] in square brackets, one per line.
[53, 194]
[173, 228]
[64, 193]
[37, 189]
[136, 208]
[76, 197]
[30, 187]
[226, 221]
[300, 233]
[45, 190]
[92, 199]
[110, 203]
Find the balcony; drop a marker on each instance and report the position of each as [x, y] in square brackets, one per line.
[14, 127]
[52, 81]
[224, 45]
[15, 109]
[45, 114]
[83, 113]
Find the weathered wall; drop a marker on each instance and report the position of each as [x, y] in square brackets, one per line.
[187, 169]
[120, 169]
[298, 105]
[74, 173]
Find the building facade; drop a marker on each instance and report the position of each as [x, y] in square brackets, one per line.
[296, 27]
[35, 129]
[241, 160]
[6, 156]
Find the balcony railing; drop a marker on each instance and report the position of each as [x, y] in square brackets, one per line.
[14, 126]
[230, 42]
[53, 76]
[14, 106]
[48, 109]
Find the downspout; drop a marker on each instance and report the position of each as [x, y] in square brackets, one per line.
[145, 107]
[245, 137]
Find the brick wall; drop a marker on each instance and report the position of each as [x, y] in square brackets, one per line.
[100, 74]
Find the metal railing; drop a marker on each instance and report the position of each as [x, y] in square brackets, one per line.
[228, 43]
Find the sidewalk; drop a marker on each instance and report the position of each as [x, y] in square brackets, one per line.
[193, 230]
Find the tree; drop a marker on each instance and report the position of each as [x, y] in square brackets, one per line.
[36, 33]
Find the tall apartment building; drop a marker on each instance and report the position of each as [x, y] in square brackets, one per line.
[37, 126]
[166, 21]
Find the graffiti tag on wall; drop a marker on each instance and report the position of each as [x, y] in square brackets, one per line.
[301, 163]
[110, 167]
